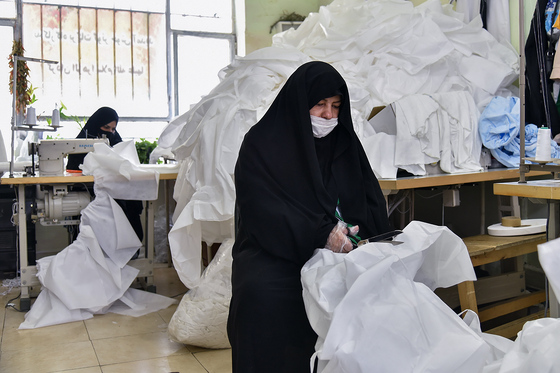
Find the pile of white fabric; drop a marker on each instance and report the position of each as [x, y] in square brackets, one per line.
[387, 51]
[428, 134]
[374, 310]
[91, 275]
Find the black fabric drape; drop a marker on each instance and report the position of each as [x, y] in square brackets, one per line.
[484, 13]
[287, 188]
[540, 108]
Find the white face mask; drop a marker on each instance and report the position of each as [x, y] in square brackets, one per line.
[321, 126]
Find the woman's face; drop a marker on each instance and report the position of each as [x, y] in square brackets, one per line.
[109, 127]
[327, 108]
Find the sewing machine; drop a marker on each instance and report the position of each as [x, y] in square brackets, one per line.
[53, 152]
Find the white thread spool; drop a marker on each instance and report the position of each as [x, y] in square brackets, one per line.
[544, 148]
[31, 116]
[55, 118]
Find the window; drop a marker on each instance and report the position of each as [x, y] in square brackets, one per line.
[7, 10]
[147, 61]
[204, 43]
[107, 57]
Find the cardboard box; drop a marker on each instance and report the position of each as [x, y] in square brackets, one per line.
[383, 119]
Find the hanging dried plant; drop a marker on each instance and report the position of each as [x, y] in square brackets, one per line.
[22, 97]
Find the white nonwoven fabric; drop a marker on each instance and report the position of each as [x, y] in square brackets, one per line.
[536, 349]
[91, 275]
[549, 257]
[433, 129]
[374, 311]
[537, 346]
[116, 170]
[108, 222]
[386, 50]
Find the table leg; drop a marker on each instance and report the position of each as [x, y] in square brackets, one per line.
[25, 301]
[553, 220]
[149, 242]
[467, 296]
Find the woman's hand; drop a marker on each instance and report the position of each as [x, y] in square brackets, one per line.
[338, 240]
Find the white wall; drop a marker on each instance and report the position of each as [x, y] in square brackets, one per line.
[260, 15]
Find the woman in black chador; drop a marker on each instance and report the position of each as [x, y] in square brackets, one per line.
[104, 123]
[299, 170]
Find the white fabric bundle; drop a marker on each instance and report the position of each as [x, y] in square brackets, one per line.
[374, 310]
[537, 347]
[433, 129]
[116, 170]
[386, 50]
[91, 276]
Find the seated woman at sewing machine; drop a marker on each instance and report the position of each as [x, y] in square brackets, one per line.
[104, 123]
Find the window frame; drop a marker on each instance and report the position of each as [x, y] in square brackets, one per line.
[172, 36]
[178, 33]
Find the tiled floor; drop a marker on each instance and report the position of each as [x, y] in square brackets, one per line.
[107, 343]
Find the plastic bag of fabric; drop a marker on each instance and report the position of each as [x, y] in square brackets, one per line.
[201, 317]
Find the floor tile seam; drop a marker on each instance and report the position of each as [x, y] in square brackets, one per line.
[7, 349]
[44, 347]
[131, 335]
[101, 366]
[200, 362]
[11, 330]
[163, 356]
[159, 329]
[96, 355]
[2, 333]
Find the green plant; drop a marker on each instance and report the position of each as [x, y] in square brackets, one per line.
[144, 149]
[31, 93]
[81, 122]
[288, 17]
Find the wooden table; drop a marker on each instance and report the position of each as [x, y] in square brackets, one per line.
[413, 182]
[28, 273]
[391, 186]
[484, 249]
[548, 190]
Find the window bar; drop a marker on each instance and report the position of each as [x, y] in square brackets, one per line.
[42, 49]
[114, 53]
[148, 56]
[97, 49]
[131, 52]
[79, 31]
[60, 49]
